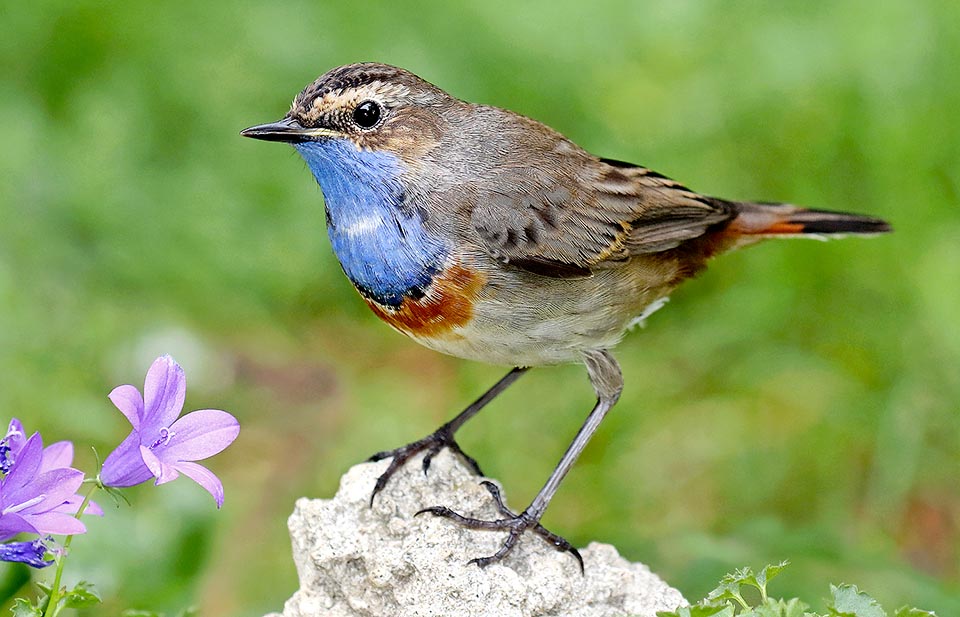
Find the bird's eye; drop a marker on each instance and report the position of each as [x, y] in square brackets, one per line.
[367, 114]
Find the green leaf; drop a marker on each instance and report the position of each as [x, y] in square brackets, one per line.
[726, 600]
[778, 608]
[700, 610]
[848, 601]
[743, 576]
[908, 611]
[770, 571]
[83, 595]
[760, 580]
[726, 590]
[24, 608]
[191, 611]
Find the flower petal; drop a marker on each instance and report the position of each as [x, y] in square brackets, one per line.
[93, 508]
[55, 487]
[30, 553]
[204, 477]
[198, 435]
[16, 435]
[128, 400]
[56, 455]
[163, 393]
[56, 523]
[163, 472]
[124, 466]
[23, 470]
[71, 505]
[12, 524]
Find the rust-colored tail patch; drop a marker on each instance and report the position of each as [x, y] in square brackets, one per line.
[754, 219]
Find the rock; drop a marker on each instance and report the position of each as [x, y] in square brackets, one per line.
[356, 560]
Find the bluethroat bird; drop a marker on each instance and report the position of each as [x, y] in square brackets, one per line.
[487, 235]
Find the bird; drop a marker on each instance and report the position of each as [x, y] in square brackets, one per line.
[487, 235]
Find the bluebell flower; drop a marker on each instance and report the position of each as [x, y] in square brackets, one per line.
[31, 553]
[162, 446]
[56, 455]
[38, 498]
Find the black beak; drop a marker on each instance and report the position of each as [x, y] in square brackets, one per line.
[287, 130]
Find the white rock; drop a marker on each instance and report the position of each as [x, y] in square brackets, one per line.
[354, 560]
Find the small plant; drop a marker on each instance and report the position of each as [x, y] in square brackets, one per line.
[727, 600]
[39, 489]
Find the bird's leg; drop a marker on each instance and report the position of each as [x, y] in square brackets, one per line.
[608, 383]
[442, 437]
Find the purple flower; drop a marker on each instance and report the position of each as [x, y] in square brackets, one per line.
[55, 456]
[30, 553]
[11, 444]
[162, 446]
[38, 498]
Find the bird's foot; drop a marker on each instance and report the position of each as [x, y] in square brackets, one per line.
[513, 524]
[431, 444]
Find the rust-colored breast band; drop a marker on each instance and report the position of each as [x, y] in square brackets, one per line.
[447, 304]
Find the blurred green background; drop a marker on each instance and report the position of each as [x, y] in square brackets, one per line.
[799, 400]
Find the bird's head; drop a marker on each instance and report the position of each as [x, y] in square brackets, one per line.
[374, 107]
[367, 132]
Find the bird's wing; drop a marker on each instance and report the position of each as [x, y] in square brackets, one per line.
[545, 223]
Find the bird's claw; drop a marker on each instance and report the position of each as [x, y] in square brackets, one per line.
[513, 524]
[431, 445]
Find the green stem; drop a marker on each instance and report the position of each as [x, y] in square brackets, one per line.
[742, 602]
[53, 601]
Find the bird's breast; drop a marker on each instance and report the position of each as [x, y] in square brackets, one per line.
[409, 274]
[381, 240]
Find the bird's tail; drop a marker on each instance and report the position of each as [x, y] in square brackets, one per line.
[755, 221]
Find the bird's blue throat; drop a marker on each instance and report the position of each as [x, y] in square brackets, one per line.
[381, 243]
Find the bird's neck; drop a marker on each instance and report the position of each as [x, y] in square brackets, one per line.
[380, 240]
